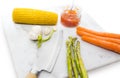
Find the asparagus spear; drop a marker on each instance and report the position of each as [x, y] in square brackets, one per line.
[75, 55]
[73, 58]
[74, 68]
[69, 60]
[82, 67]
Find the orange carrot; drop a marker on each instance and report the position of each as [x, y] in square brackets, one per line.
[102, 43]
[103, 34]
[82, 33]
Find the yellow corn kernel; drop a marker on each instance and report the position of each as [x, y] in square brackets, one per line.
[34, 16]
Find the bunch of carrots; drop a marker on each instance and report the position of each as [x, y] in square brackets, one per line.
[110, 41]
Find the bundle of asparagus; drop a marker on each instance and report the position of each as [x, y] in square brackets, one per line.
[74, 60]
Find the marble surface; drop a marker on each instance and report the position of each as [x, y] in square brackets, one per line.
[23, 51]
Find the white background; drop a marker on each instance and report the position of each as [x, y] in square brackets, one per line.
[105, 12]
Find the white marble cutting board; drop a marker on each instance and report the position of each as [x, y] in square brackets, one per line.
[23, 50]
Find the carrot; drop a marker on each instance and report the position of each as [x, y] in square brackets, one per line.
[103, 34]
[102, 43]
[82, 33]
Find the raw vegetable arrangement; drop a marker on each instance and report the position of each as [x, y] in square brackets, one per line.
[74, 59]
[69, 18]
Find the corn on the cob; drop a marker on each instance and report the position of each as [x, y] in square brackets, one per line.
[34, 16]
